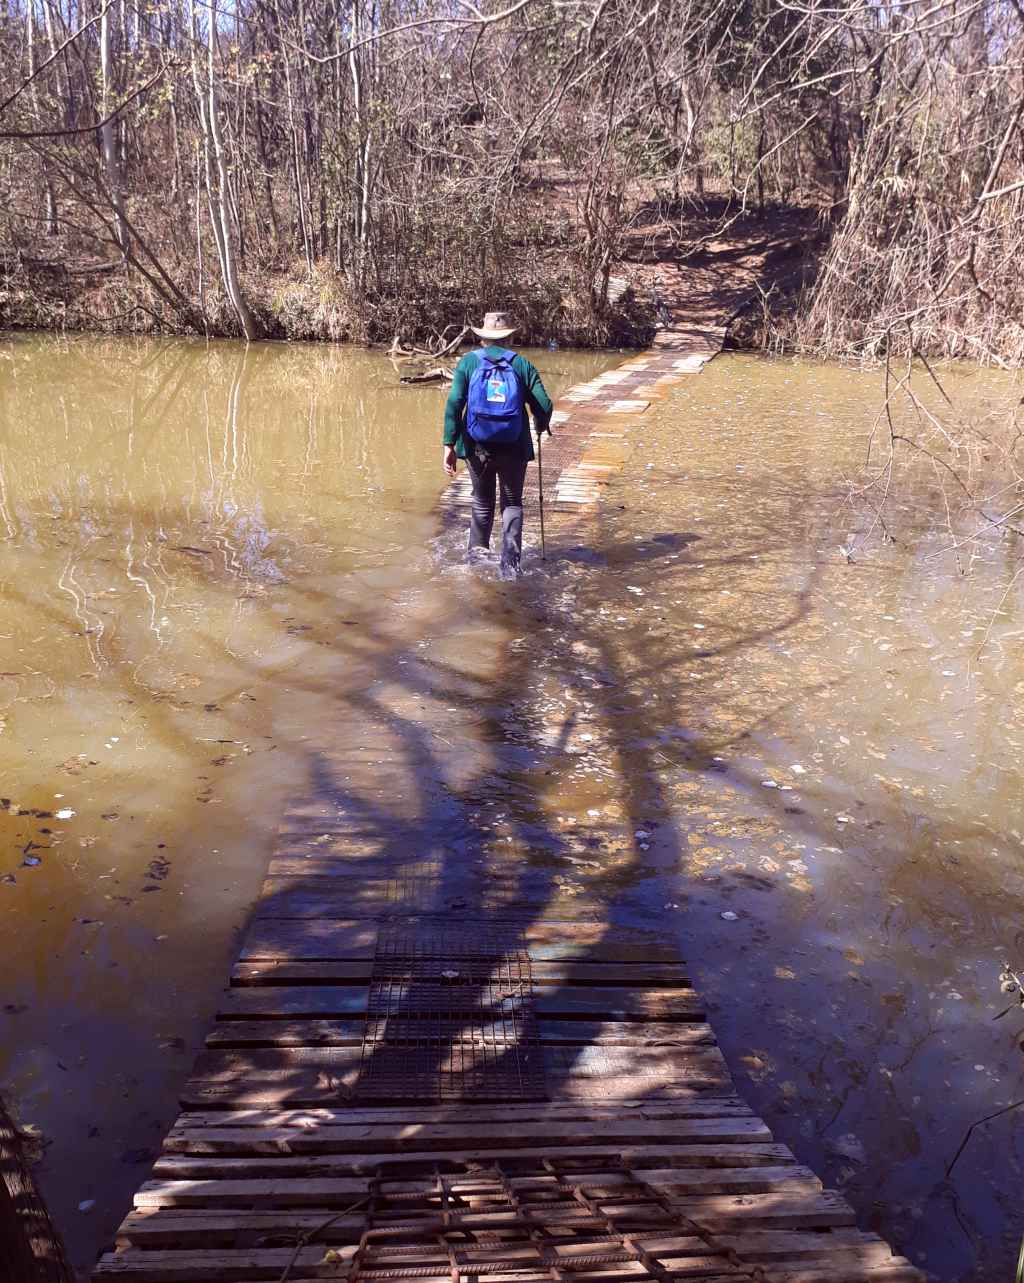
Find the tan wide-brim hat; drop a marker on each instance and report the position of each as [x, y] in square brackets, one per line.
[496, 326]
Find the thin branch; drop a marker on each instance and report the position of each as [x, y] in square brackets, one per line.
[52, 58]
[970, 1131]
[89, 129]
[448, 20]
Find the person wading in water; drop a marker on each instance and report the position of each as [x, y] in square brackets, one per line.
[485, 423]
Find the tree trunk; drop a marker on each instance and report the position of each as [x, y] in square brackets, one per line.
[51, 202]
[217, 181]
[360, 209]
[108, 136]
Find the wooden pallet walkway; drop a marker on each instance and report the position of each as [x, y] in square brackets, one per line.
[415, 1077]
[595, 422]
[412, 1081]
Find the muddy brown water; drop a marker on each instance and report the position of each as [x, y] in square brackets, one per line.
[219, 568]
[200, 548]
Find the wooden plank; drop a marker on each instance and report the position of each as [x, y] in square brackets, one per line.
[620, 1062]
[309, 1075]
[620, 1004]
[330, 938]
[204, 1267]
[841, 1246]
[185, 1227]
[266, 1162]
[901, 1271]
[332, 1090]
[543, 972]
[559, 1062]
[756, 1180]
[721, 1213]
[327, 1194]
[396, 1117]
[339, 1033]
[287, 1033]
[452, 1138]
[717, 1213]
[331, 1192]
[313, 897]
[291, 1002]
[316, 971]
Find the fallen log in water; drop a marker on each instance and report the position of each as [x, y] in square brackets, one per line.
[437, 375]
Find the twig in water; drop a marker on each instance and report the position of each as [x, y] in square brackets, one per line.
[995, 614]
[308, 1238]
[978, 1123]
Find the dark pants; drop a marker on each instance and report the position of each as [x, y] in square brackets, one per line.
[507, 470]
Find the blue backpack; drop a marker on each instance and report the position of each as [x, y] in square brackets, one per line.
[494, 413]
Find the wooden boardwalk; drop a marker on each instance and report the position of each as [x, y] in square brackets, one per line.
[594, 422]
[420, 1073]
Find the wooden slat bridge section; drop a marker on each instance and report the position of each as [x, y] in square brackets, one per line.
[557, 1109]
[594, 422]
[413, 1080]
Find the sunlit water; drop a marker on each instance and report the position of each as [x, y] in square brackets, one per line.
[224, 585]
[828, 753]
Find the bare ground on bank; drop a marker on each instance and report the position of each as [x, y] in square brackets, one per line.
[705, 255]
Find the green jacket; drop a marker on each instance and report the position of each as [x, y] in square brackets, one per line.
[534, 396]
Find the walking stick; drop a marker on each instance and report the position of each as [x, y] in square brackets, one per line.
[540, 490]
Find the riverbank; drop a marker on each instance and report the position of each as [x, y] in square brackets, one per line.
[707, 267]
[296, 303]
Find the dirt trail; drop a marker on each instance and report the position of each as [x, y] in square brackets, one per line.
[706, 266]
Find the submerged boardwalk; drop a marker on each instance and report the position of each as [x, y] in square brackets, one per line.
[594, 423]
[428, 1072]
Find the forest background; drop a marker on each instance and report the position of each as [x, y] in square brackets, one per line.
[360, 169]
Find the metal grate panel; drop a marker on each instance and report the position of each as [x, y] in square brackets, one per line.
[450, 1017]
[548, 1227]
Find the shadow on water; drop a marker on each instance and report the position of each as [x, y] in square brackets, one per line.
[847, 1046]
[456, 762]
[516, 740]
[498, 857]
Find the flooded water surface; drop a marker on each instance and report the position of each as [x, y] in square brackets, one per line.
[725, 706]
[204, 553]
[826, 746]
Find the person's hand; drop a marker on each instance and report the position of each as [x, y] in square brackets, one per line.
[448, 461]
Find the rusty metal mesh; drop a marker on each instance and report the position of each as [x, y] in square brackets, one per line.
[546, 1226]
